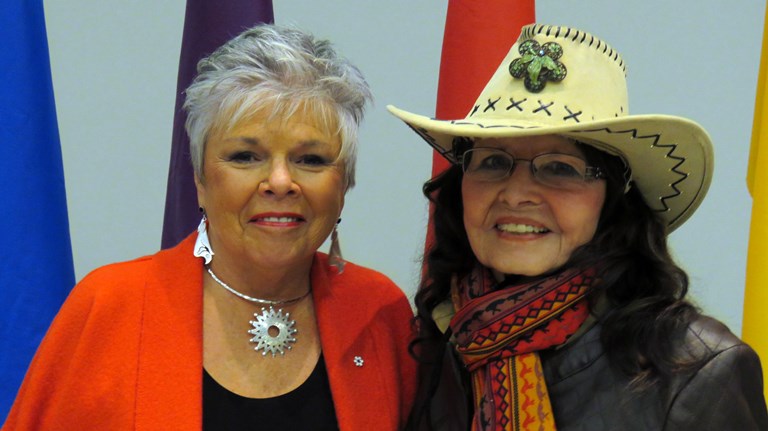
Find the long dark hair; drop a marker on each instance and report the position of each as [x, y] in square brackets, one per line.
[645, 290]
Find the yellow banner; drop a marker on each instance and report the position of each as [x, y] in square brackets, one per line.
[755, 328]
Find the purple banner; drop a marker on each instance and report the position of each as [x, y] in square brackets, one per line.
[207, 25]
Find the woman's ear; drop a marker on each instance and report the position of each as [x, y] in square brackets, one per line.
[200, 186]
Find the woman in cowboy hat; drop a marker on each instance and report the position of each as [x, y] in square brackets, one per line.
[550, 299]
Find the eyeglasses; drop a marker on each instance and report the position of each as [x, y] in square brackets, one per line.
[562, 171]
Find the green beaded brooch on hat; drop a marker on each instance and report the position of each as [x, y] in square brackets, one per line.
[538, 64]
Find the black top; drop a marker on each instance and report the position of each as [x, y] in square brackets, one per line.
[308, 407]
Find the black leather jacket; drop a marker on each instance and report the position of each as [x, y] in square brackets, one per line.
[724, 392]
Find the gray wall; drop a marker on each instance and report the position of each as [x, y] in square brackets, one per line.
[114, 71]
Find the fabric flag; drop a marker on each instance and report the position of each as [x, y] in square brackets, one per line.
[207, 25]
[756, 294]
[36, 270]
[478, 34]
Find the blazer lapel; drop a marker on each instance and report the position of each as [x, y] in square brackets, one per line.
[169, 382]
[346, 341]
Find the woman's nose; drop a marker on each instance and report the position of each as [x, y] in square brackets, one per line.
[279, 181]
[521, 187]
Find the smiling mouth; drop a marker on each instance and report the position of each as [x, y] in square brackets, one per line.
[277, 219]
[285, 220]
[520, 228]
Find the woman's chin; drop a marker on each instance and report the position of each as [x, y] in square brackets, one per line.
[523, 271]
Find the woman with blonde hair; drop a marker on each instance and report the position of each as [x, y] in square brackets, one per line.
[243, 325]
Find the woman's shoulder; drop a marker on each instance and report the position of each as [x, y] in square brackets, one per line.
[367, 291]
[111, 287]
[717, 358]
[706, 337]
[118, 272]
[371, 276]
[725, 390]
[125, 276]
[110, 271]
[358, 276]
[137, 270]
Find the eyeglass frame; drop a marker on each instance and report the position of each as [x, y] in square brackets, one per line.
[592, 173]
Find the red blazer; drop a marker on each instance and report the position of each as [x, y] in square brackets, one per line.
[125, 350]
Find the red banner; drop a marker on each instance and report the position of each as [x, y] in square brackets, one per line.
[478, 34]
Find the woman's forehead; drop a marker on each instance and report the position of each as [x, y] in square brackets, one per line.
[315, 113]
[528, 144]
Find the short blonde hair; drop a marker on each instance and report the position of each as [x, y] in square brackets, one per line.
[282, 69]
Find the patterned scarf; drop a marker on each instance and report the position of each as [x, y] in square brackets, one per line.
[498, 333]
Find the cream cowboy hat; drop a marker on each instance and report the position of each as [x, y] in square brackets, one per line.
[559, 80]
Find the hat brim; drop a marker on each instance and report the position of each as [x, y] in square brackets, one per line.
[671, 157]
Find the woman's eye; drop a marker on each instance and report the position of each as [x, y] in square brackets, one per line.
[312, 160]
[560, 169]
[244, 157]
[495, 163]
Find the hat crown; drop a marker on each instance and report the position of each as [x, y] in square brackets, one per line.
[554, 76]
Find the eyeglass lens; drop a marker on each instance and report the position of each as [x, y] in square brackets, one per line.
[552, 169]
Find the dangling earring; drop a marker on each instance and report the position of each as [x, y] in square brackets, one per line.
[627, 179]
[202, 244]
[335, 258]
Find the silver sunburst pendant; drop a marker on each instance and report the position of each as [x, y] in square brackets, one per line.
[272, 330]
[278, 324]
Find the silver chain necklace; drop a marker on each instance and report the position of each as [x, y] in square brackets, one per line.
[279, 323]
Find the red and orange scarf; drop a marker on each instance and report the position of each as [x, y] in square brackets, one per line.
[498, 333]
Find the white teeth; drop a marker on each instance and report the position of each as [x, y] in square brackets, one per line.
[280, 219]
[520, 228]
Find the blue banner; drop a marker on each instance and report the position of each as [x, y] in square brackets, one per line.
[36, 269]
